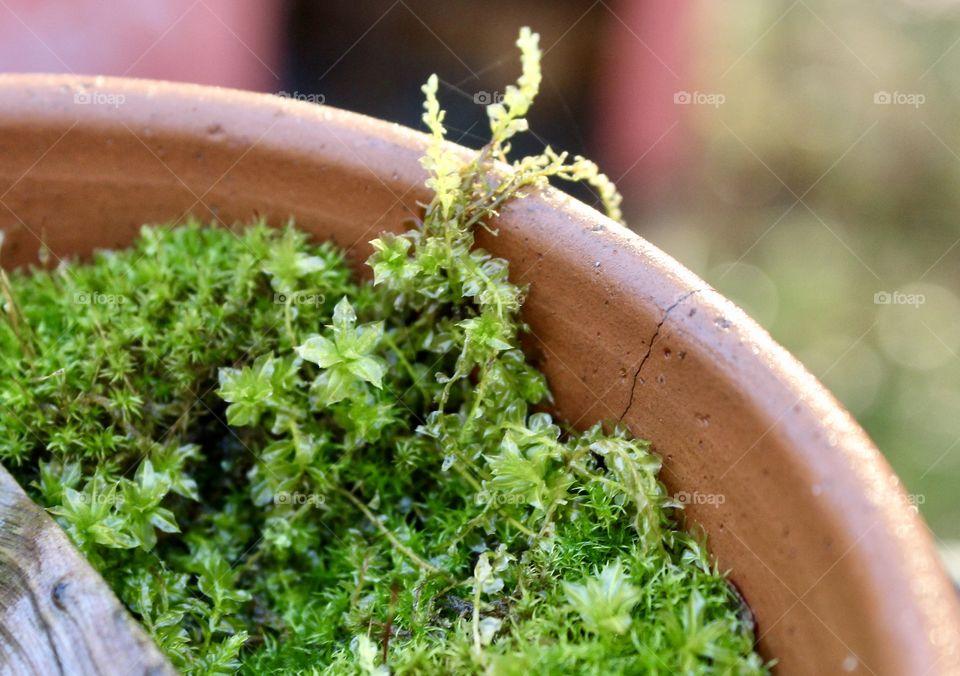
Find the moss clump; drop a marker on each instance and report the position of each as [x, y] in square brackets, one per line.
[280, 468]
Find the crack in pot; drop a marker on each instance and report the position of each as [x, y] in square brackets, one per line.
[653, 339]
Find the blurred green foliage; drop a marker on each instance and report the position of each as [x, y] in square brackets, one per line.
[830, 174]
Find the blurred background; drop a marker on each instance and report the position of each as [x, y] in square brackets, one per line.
[802, 156]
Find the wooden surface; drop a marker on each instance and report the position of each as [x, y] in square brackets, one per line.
[57, 615]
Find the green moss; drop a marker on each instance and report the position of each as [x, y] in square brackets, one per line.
[280, 468]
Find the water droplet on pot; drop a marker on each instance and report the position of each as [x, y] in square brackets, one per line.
[850, 663]
[703, 419]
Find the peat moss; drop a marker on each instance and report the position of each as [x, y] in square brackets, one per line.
[281, 468]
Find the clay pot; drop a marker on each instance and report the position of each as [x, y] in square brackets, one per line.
[838, 569]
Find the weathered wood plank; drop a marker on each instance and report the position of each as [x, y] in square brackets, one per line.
[57, 615]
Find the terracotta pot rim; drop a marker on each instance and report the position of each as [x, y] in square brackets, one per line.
[830, 446]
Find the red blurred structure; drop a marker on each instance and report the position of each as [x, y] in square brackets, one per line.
[234, 43]
[639, 128]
